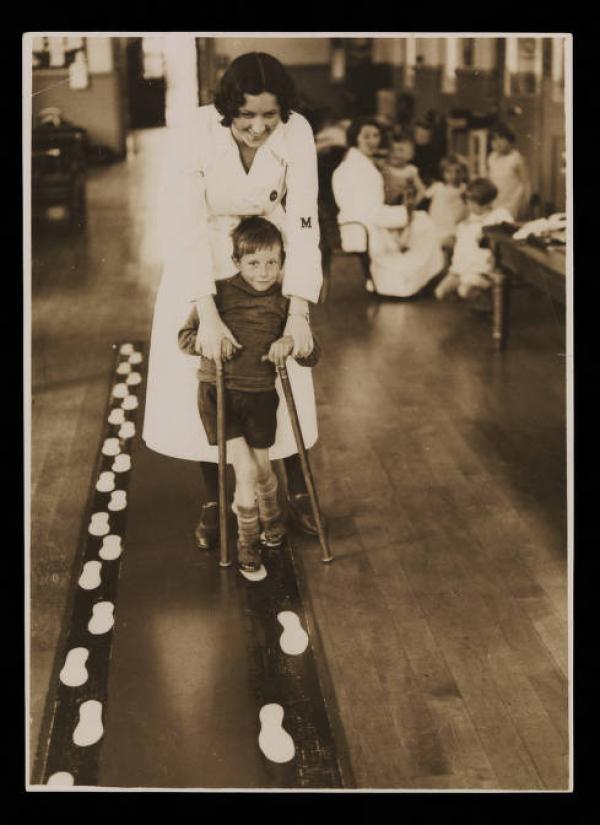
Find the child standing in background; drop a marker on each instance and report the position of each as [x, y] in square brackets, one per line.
[448, 207]
[471, 266]
[254, 309]
[508, 172]
[398, 172]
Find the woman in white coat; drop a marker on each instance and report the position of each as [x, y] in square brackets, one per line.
[401, 262]
[248, 154]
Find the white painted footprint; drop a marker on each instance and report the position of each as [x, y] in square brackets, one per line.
[106, 482]
[135, 358]
[117, 416]
[74, 672]
[127, 430]
[126, 349]
[98, 525]
[111, 446]
[102, 618]
[122, 463]
[61, 779]
[118, 500]
[120, 390]
[275, 742]
[133, 379]
[130, 402]
[90, 575]
[111, 548]
[294, 639]
[255, 575]
[89, 729]
[124, 368]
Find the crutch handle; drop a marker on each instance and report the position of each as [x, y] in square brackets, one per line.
[224, 560]
[306, 471]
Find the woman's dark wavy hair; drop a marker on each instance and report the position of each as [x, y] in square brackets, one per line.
[252, 74]
[357, 125]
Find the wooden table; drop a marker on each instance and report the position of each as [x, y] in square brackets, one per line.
[543, 268]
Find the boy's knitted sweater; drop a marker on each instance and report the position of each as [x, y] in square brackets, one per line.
[256, 319]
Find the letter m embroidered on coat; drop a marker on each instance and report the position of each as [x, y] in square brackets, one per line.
[305, 223]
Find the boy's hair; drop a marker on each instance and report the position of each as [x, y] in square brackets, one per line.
[454, 160]
[252, 74]
[503, 131]
[254, 233]
[357, 125]
[482, 191]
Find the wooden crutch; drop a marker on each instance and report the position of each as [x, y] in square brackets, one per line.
[224, 560]
[306, 471]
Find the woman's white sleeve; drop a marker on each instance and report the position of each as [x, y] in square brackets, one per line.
[360, 202]
[182, 220]
[303, 274]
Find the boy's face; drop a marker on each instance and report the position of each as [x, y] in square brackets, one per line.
[261, 269]
[401, 153]
[477, 208]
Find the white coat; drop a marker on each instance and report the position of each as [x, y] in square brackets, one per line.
[359, 192]
[204, 193]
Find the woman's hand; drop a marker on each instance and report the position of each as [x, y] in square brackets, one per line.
[214, 339]
[298, 329]
[279, 351]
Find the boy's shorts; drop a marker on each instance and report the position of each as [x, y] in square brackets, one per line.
[252, 415]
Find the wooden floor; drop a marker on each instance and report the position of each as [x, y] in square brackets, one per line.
[441, 466]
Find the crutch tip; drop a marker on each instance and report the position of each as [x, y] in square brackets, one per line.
[224, 564]
[327, 560]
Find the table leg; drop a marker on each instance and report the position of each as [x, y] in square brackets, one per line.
[500, 315]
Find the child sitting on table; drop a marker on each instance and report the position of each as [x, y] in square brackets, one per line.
[399, 171]
[448, 207]
[471, 266]
[252, 306]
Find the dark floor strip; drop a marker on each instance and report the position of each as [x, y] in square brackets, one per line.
[71, 720]
[288, 680]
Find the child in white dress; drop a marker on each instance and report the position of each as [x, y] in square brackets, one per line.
[448, 207]
[471, 266]
[508, 172]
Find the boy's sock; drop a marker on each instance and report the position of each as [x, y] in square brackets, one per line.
[248, 537]
[270, 513]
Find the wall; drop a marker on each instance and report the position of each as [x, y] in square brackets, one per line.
[291, 51]
[100, 108]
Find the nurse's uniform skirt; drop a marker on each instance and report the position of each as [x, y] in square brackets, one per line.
[172, 425]
[404, 273]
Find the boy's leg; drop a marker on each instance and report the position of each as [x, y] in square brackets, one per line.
[268, 504]
[449, 284]
[246, 510]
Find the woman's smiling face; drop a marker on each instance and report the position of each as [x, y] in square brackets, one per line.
[257, 117]
[368, 140]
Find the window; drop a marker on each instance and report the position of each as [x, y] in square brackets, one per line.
[467, 52]
[523, 66]
[153, 61]
[558, 69]
[450, 65]
[56, 52]
[410, 61]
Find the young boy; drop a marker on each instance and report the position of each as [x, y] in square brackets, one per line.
[471, 266]
[252, 306]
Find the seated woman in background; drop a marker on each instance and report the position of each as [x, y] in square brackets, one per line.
[448, 207]
[398, 171]
[508, 172]
[401, 263]
[471, 266]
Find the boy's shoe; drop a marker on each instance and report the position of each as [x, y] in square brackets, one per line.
[206, 533]
[447, 285]
[301, 514]
[273, 535]
[249, 557]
